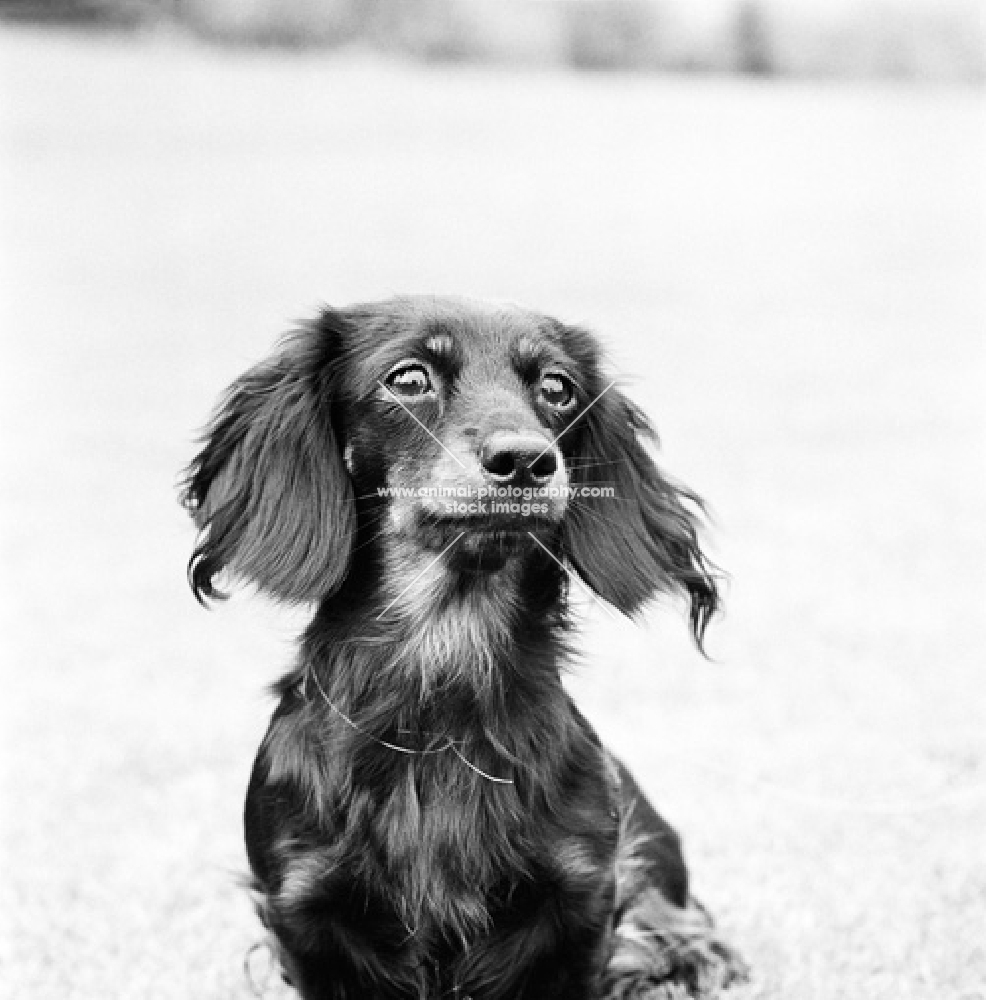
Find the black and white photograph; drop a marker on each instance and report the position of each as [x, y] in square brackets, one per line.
[493, 499]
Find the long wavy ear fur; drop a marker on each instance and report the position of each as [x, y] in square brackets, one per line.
[643, 540]
[269, 490]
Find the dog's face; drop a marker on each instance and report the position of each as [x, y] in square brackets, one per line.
[450, 432]
[459, 425]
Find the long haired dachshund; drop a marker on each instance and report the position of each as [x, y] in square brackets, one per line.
[429, 815]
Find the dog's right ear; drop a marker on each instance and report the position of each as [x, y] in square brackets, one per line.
[269, 490]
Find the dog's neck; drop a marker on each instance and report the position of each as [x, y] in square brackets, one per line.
[431, 637]
[461, 680]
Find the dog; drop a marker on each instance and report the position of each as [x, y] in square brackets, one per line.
[429, 815]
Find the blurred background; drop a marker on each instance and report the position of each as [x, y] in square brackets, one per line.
[918, 39]
[775, 214]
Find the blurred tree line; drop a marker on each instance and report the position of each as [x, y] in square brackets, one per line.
[923, 39]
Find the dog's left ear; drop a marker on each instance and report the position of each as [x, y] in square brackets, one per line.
[269, 490]
[643, 539]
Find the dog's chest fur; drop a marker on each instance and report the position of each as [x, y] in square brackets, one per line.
[447, 825]
[444, 840]
[425, 812]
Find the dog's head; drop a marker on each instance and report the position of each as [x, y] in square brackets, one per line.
[469, 432]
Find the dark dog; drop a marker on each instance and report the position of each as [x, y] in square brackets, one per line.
[429, 815]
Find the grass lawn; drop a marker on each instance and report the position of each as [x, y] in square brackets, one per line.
[790, 275]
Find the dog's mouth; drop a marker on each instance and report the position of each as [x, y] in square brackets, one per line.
[483, 544]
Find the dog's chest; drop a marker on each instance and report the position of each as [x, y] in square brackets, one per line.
[444, 836]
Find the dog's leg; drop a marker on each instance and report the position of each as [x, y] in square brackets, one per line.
[665, 952]
[504, 968]
[665, 946]
[551, 938]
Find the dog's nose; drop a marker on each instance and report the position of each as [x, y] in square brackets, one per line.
[516, 458]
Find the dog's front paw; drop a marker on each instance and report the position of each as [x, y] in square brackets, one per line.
[662, 952]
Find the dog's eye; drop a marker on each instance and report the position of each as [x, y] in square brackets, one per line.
[410, 380]
[557, 390]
